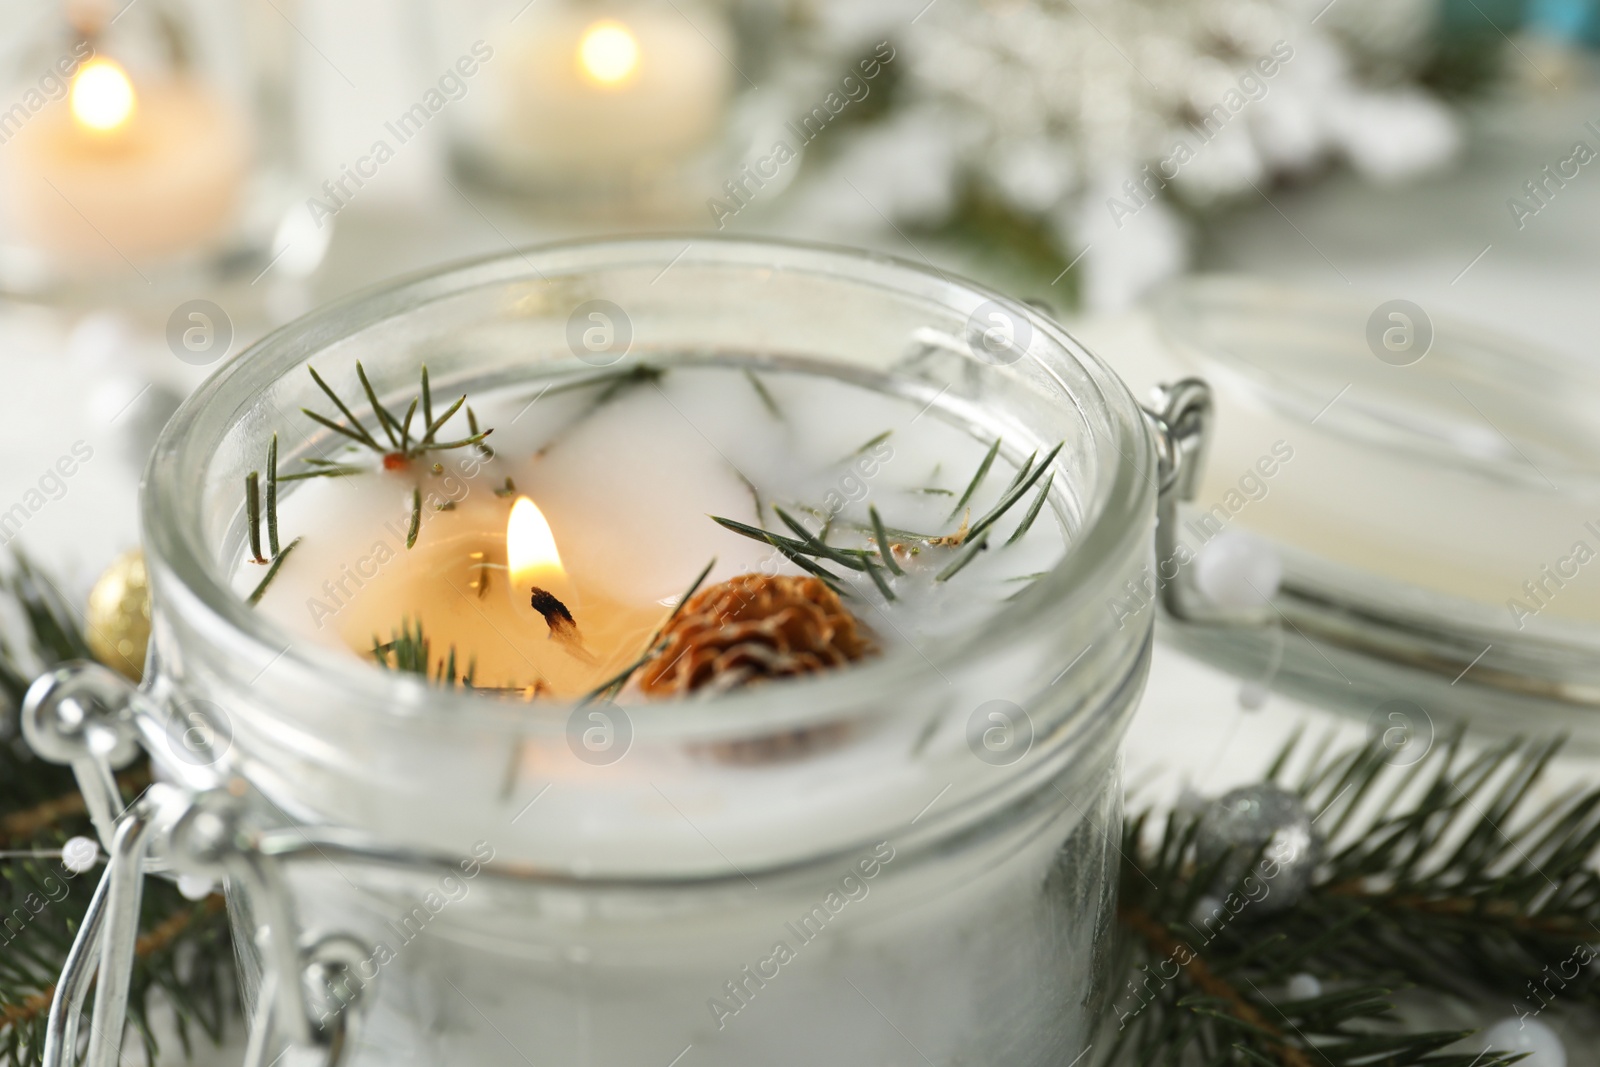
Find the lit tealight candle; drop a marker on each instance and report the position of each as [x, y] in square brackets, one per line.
[608, 53]
[121, 173]
[102, 97]
[603, 97]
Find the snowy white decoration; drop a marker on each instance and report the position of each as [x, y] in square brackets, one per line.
[1526, 1034]
[1110, 117]
[196, 886]
[1238, 570]
[1304, 987]
[80, 854]
[1253, 695]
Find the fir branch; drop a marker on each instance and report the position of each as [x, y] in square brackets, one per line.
[17, 826]
[1441, 877]
[402, 445]
[416, 518]
[355, 430]
[183, 952]
[408, 651]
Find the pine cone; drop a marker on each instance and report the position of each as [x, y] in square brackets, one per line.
[753, 628]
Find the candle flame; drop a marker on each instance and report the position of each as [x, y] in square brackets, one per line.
[530, 546]
[102, 96]
[608, 52]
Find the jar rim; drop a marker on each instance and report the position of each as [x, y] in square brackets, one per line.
[185, 575]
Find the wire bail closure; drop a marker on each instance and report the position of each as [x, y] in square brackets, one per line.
[1182, 414]
[83, 715]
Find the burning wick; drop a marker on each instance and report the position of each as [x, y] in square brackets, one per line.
[563, 628]
[535, 563]
[556, 615]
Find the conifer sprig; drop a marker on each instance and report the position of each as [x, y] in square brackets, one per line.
[1441, 877]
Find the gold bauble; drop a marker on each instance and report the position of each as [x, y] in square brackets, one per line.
[119, 615]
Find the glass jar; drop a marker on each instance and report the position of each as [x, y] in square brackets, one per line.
[934, 884]
[1428, 489]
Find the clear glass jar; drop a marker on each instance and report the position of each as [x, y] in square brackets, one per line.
[1428, 487]
[940, 876]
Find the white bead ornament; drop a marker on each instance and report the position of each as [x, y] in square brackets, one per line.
[1526, 1034]
[1304, 987]
[80, 854]
[195, 886]
[1238, 570]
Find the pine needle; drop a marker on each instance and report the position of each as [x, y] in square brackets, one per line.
[969, 553]
[272, 572]
[977, 479]
[612, 686]
[1033, 512]
[272, 497]
[767, 400]
[252, 507]
[877, 578]
[882, 537]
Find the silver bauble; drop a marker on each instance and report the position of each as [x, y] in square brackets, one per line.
[1268, 820]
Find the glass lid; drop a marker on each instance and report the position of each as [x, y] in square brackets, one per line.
[1394, 506]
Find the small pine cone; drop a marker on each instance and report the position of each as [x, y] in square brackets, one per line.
[752, 628]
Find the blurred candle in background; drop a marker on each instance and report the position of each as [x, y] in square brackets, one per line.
[124, 171]
[610, 94]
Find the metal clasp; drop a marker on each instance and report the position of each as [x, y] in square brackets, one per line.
[82, 715]
[1181, 413]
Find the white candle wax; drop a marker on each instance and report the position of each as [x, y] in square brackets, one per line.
[627, 487]
[118, 170]
[578, 91]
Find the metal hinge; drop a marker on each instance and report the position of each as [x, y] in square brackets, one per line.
[84, 715]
